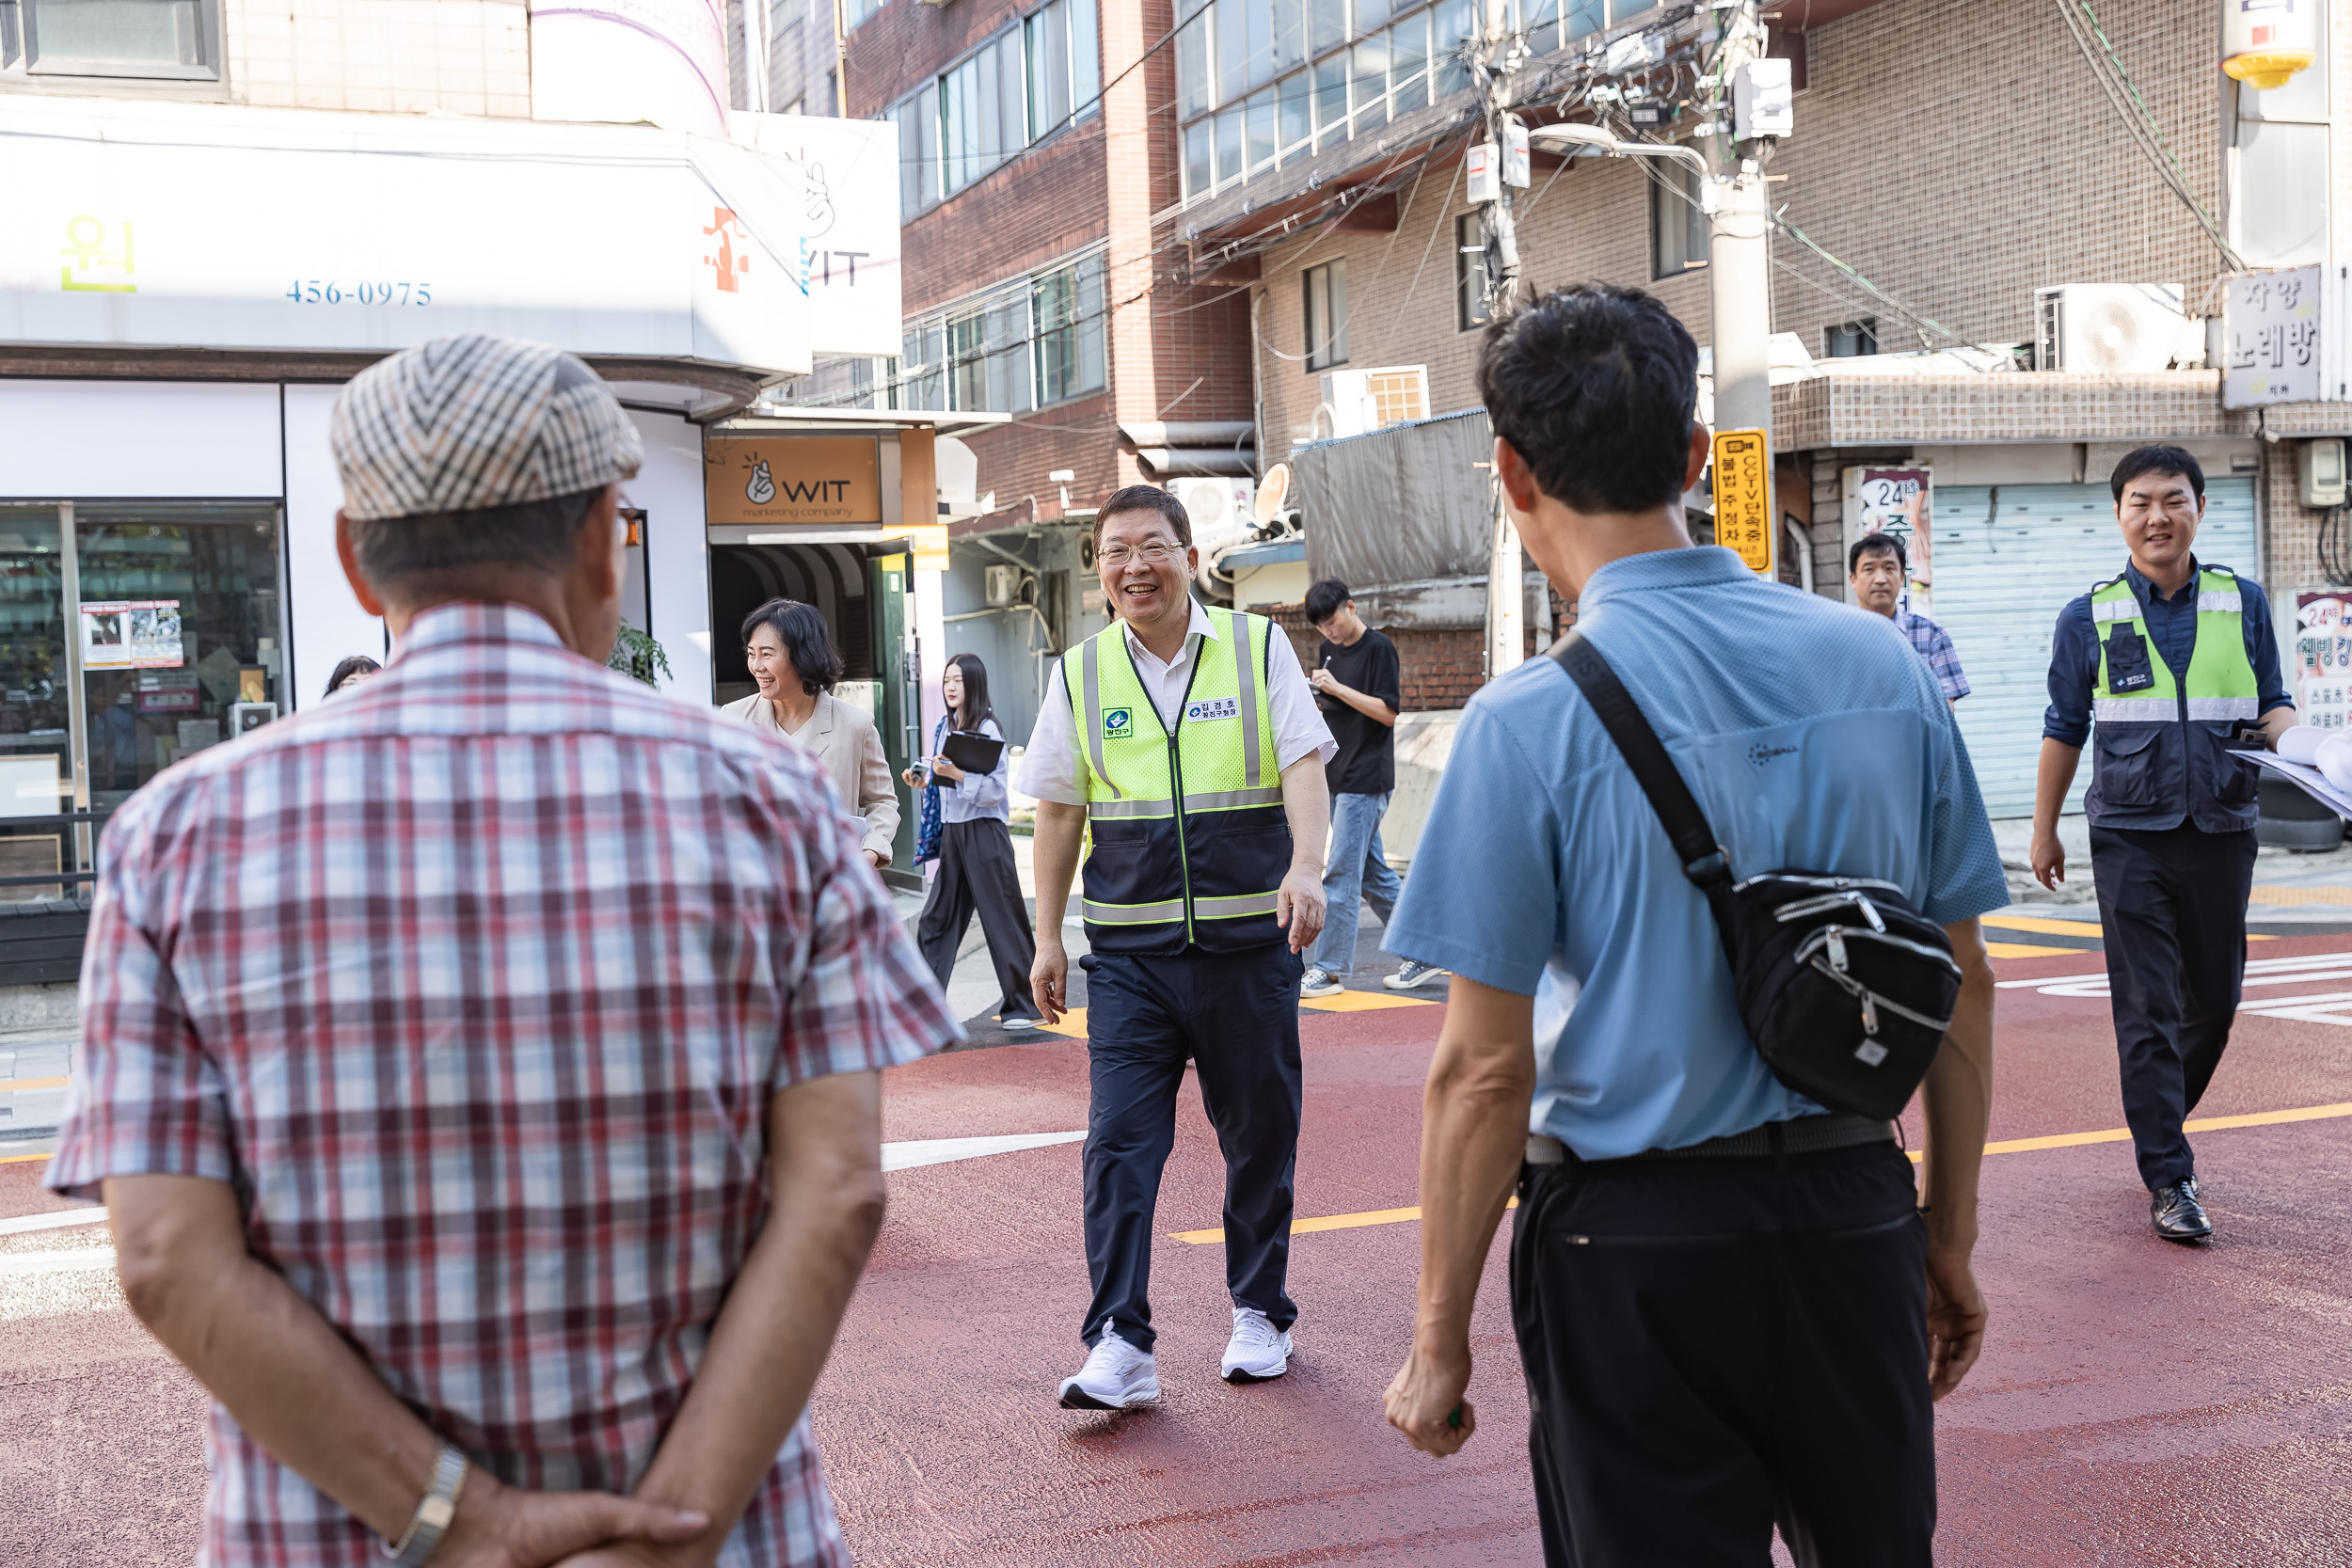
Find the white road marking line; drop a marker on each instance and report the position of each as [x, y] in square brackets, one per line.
[86, 1260]
[939, 1152]
[58, 1221]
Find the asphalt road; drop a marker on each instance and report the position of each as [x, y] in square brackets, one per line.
[2138, 1403]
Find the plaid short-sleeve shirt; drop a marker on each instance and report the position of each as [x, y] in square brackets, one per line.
[1935, 645]
[474, 983]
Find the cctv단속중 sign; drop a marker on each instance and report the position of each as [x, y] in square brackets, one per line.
[1743, 497]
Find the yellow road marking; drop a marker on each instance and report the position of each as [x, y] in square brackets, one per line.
[1365, 1002]
[20, 1159]
[2042, 927]
[2288, 896]
[7, 1084]
[1073, 1023]
[2028, 950]
[2004, 1146]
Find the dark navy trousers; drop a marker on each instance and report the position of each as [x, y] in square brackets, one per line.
[2173, 903]
[1236, 1017]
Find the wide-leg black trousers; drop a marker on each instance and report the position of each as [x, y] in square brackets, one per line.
[977, 873]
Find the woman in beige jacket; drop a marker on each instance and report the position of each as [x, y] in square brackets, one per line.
[793, 662]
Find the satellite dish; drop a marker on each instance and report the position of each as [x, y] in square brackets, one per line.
[1272, 491]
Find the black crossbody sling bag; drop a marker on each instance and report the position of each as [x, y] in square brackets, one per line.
[1844, 987]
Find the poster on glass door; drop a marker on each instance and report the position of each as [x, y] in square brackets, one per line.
[130, 634]
[2323, 660]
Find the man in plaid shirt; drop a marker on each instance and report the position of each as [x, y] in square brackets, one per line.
[1875, 569]
[482, 1071]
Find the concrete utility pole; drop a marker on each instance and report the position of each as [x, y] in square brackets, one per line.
[1496, 168]
[1739, 275]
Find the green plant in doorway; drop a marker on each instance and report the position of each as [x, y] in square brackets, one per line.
[636, 655]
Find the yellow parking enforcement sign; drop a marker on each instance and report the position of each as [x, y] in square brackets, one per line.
[1743, 498]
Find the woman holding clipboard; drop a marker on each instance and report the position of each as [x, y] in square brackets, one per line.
[967, 777]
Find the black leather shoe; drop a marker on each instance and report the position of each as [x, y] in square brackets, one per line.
[2176, 1213]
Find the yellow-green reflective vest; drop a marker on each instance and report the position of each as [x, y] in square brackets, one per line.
[1188, 843]
[2161, 742]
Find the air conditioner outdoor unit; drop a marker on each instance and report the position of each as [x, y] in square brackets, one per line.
[2114, 327]
[1217, 506]
[1002, 584]
[1361, 401]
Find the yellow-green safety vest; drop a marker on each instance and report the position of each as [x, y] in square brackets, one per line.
[1188, 843]
[2162, 745]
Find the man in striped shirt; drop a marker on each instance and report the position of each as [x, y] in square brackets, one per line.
[1875, 570]
[481, 1070]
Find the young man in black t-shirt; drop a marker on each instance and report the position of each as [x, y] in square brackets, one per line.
[1358, 687]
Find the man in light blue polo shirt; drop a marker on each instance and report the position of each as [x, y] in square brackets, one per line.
[1729, 1313]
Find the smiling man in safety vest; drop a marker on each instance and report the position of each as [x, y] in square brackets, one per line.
[1182, 744]
[2176, 663]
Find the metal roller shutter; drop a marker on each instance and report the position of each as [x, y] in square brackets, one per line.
[2008, 558]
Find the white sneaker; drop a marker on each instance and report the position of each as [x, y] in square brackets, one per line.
[1258, 1351]
[1116, 1376]
[1319, 981]
[1413, 975]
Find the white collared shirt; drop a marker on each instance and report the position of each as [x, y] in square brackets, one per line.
[1049, 770]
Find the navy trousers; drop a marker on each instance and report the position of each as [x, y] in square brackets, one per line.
[2173, 905]
[1236, 1017]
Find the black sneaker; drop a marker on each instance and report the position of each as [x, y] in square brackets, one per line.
[2176, 1213]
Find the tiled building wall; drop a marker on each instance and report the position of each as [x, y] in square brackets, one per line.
[387, 57]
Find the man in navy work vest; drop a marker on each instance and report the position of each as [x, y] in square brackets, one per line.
[2176, 663]
[1733, 1307]
[1182, 745]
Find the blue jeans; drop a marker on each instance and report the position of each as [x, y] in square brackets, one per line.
[1358, 873]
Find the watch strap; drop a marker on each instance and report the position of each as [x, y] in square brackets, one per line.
[434, 1512]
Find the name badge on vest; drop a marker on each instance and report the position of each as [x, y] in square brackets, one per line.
[2128, 660]
[1212, 707]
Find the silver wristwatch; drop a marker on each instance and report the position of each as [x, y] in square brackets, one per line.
[433, 1513]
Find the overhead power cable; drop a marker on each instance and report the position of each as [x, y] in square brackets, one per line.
[2082, 25]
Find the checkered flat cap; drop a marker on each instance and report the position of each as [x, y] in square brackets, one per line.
[468, 422]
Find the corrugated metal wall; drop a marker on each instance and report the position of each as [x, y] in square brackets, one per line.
[2008, 558]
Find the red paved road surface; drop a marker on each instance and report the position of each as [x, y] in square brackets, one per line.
[2138, 1404]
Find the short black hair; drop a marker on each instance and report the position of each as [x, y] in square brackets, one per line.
[2159, 460]
[541, 536]
[1870, 543]
[1324, 600]
[357, 664]
[1145, 497]
[807, 642]
[1594, 385]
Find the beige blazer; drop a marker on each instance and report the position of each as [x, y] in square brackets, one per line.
[844, 740]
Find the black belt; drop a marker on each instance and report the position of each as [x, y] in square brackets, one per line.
[1800, 1136]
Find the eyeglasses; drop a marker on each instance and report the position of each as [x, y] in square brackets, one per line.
[1155, 554]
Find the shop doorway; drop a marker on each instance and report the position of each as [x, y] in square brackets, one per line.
[863, 594]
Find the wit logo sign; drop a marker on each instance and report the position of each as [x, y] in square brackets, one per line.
[1213, 707]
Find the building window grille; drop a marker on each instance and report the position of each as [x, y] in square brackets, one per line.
[1677, 229]
[1470, 272]
[1850, 340]
[162, 40]
[1327, 315]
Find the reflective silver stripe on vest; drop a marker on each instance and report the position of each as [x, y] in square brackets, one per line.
[1228, 909]
[1234, 799]
[1129, 808]
[2231, 603]
[2115, 609]
[1161, 914]
[1090, 678]
[2161, 710]
[1239, 631]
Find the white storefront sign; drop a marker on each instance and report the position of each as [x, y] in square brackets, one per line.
[170, 225]
[590, 60]
[2277, 324]
[850, 227]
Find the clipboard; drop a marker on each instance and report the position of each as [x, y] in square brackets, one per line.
[974, 754]
[2306, 778]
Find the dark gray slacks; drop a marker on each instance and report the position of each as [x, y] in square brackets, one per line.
[977, 873]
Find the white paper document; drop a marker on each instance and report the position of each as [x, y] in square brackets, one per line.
[2306, 778]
